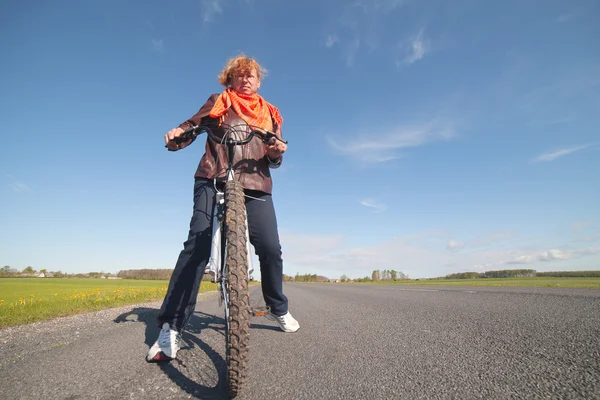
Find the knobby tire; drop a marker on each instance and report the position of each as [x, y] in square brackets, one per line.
[238, 328]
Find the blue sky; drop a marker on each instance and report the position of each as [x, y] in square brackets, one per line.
[429, 137]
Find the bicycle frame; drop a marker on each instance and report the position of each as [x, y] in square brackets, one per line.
[215, 266]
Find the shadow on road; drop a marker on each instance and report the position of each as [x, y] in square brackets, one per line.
[188, 371]
[184, 371]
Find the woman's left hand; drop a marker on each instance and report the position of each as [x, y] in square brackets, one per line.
[275, 151]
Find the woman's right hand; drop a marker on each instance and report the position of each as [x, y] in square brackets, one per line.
[170, 142]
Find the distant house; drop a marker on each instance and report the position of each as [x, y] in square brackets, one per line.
[40, 275]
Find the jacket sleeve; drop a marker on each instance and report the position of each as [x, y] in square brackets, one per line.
[196, 119]
[275, 163]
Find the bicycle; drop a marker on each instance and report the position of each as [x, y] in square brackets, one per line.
[231, 242]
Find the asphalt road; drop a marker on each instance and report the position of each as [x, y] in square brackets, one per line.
[355, 342]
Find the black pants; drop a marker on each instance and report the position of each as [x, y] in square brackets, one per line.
[180, 300]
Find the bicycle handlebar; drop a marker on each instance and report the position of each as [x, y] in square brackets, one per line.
[267, 136]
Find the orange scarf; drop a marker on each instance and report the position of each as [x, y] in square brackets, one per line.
[251, 108]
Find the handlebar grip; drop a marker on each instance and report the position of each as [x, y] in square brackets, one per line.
[178, 140]
[184, 137]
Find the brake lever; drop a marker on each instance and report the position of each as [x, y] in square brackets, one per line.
[272, 138]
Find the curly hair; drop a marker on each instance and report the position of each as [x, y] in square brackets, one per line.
[240, 65]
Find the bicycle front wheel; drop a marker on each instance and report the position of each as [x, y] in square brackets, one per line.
[238, 326]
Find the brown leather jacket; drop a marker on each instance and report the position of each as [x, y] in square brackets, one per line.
[251, 163]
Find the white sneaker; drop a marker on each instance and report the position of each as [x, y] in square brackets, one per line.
[287, 323]
[166, 346]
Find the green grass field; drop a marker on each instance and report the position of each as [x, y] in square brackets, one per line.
[542, 281]
[25, 300]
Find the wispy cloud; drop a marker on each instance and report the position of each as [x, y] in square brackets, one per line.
[559, 153]
[386, 146]
[553, 255]
[19, 187]
[453, 245]
[311, 250]
[414, 49]
[16, 185]
[210, 9]
[479, 243]
[591, 238]
[491, 238]
[158, 44]
[361, 26]
[581, 225]
[317, 242]
[520, 260]
[572, 94]
[349, 51]
[331, 40]
[378, 6]
[374, 205]
[561, 19]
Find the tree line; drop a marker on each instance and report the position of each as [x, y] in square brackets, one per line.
[152, 274]
[146, 274]
[8, 272]
[393, 275]
[305, 278]
[521, 273]
[505, 273]
[388, 275]
[572, 274]
[380, 276]
[149, 274]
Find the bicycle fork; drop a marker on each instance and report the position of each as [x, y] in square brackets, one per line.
[214, 262]
[214, 266]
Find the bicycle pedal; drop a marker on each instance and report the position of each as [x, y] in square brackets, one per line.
[259, 313]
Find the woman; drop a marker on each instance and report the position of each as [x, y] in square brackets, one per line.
[238, 104]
